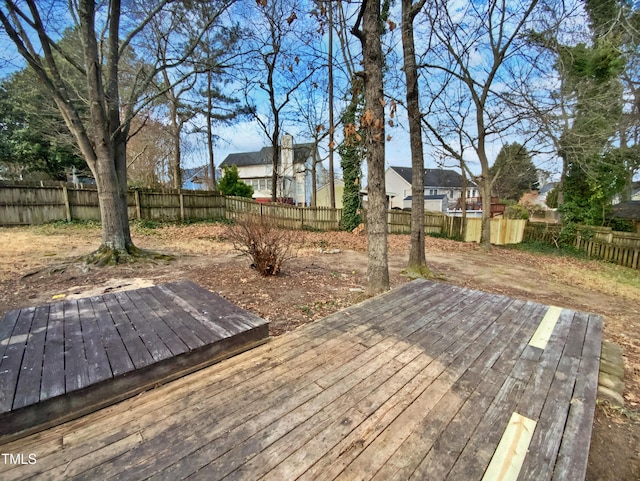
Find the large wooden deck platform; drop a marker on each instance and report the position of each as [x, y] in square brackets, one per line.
[66, 359]
[427, 382]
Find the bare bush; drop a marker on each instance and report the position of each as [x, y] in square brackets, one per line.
[266, 245]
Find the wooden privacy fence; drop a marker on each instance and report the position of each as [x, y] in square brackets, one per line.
[26, 205]
[285, 216]
[37, 204]
[622, 248]
[399, 222]
[503, 231]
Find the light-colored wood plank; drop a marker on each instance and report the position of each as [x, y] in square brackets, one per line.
[548, 323]
[507, 461]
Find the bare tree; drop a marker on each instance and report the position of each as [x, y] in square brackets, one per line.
[106, 35]
[417, 259]
[369, 29]
[470, 48]
[276, 66]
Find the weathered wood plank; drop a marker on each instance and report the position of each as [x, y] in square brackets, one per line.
[52, 384]
[119, 359]
[76, 374]
[447, 448]
[206, 306]
[544, 370]
[177, 319]
[28, 387]
[347, 449]
[136, 349]
[204, 432]
[12, 358]
[140, 324]
[571, 464]
[97, 360]
[417, 384]
[293, 347]
[405, 460]
[477, 453]
[545, 444]
[7, 324]
[159, 339]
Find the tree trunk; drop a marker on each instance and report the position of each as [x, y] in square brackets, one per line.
[332, 186]
[373, 124]
[212, 165]
[314, 166]
[463, 202]
[107, 158]
[275, 161]
[115, 227]
[174, 126]
[485, 237]
[417, 260]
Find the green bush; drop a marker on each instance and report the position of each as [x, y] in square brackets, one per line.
[516, 211]
[230, 183]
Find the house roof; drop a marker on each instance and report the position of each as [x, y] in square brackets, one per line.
[190, 173]
[434, 177]
[627, 210]
[548, 187]
[301, 152]
[428, 197]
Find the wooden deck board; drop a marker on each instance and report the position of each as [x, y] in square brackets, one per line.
[73, 357]
[419, 383]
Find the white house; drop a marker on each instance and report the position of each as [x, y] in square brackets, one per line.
[437, 182]
[432, 203]
[294, 176]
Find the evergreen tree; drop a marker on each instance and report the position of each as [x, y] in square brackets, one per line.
[513, 172]
[230, 183]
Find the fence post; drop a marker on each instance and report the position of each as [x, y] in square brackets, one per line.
[67, 206]
[181, 206]
[136, 195]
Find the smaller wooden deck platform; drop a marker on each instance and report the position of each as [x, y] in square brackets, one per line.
[63, 360]
[427, 382]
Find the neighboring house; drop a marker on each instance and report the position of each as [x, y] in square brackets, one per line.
[432, 203]
[436, 182]
[544, 191]
[196, 178]
[323, 195]
[635, 191]
[629, 210]
[294, 176]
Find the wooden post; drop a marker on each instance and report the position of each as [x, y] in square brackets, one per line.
[67, 206]
[136, 194]
[181, 207]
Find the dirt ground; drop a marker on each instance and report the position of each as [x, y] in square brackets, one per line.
[41, 264]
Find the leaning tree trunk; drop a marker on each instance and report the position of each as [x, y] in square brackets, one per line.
[417, 259]
[373, 124]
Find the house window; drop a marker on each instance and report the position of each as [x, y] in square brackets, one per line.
[433, 191]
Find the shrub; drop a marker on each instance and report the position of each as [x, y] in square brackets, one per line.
[267, 246]
[230, 183]
[516, 211]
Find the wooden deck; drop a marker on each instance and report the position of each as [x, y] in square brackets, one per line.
[427, 382]
[63, 360]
